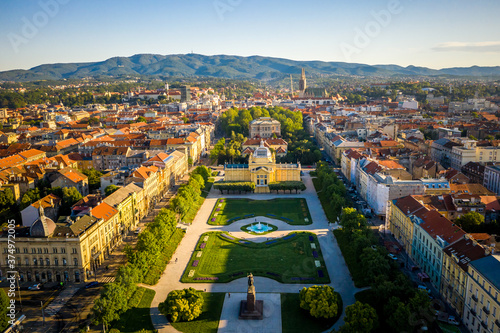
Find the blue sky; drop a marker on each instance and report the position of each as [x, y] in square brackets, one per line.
[435, 34]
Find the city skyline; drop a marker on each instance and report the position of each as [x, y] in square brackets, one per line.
[458, 34]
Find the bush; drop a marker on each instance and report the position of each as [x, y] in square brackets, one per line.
[320, 301]
[182, 305]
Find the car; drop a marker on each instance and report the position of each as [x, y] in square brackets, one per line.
[424, 288]
[36, 286]
[392, 256]
[91, 284]
[374, 247]
[137, 231]
[453, 321]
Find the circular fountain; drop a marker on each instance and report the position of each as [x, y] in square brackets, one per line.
[259, 228]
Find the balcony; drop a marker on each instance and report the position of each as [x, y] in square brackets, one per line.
[497, 322]
[474, 298]
[486, 310]
[473, 312]
[484, 325]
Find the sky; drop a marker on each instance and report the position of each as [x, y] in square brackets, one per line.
[429, 33]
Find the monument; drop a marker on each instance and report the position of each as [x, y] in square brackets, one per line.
[251, 308]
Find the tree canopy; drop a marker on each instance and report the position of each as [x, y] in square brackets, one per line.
[320, 301]
[470, 221]
[182, 305]
[359, 318]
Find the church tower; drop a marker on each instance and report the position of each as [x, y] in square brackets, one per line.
[302, 82]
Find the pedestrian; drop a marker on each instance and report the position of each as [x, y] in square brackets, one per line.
[229, 295]
[176, 260]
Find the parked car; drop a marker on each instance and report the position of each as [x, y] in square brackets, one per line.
[424, 288]
[453, 321]
[36, 286]
[392, 256]
[91, 284]
[374, 247]
[137, 231]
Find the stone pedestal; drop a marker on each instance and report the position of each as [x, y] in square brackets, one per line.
[251, 308]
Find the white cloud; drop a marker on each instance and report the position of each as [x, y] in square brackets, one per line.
[468, 47]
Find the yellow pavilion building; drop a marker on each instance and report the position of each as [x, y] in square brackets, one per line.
[262, 169]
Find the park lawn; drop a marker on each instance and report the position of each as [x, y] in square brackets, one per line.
[137, 318]
[348, 252]
[297, 320]
[288, 260]
[292, 211]
[208, 321]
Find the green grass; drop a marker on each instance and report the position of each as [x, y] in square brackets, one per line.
[330, 213]
[350, 258]
[285, 260]
[291, 211]
[137, 317]
[244, 228]
[208, 321]
[296, 320]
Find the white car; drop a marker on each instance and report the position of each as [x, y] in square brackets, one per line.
[424, 288]
[392, 256]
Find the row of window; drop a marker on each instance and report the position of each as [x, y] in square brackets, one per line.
[46, 262]
[39, 250]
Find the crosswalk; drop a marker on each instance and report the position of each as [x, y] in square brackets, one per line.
[106, 279]
[56, 305]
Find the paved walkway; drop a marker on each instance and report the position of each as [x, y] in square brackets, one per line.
[337, 269]
[230, 323]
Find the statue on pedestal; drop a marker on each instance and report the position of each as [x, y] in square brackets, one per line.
[251, 308]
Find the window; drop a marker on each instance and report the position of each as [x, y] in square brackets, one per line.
[34, 261]
[64, 262]
[27, 261]
[41, 261]
[63, 250]
[74, 251]
[33, 250]
[54, 250]
[47, 261]
[25, 250]
[56, 262]
[45, 250]
[75, 261]
[39, 250]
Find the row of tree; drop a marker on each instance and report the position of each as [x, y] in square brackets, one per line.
[152, 244]
[234, 186]
[332, 189]
[399, 306]
[287, 186]
[189, 194]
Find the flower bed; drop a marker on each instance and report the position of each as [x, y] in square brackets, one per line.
[202, 245]
[320, 273]
[302, 279]
[315, 254]
[311, 238]
[195, 263]
[289, 236]
[209, 278]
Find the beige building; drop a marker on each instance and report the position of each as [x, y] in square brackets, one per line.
[482, 301]
[264, 127]
[69, 251]
[262, 169]
[456, 258]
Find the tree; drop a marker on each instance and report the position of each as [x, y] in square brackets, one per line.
[190, 161]
[29, 197]
[374, 264]
[141, 119]
[320, 301]
[70, 196]
[203, 171]
[94, 177]
[359, 318]
[470, 221]
[110, 305]
[397, 314]
[351, 220]
[182, 305]
[7, 198]
[4, 303]
[110, 189]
